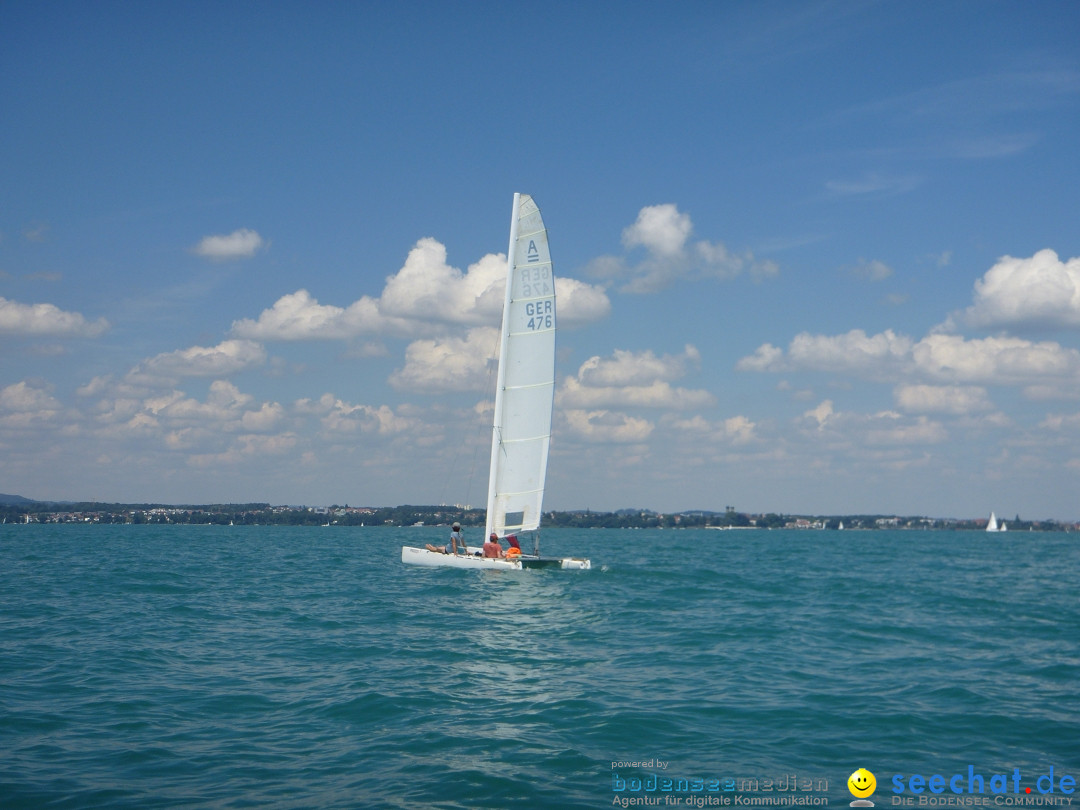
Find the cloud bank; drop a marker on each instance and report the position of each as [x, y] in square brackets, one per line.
[888, 356]
[427, 296]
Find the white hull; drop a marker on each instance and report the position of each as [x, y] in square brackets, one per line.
[435, 559]
[565, 563]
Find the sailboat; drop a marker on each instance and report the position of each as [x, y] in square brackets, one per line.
[524, 393]
[992, 524]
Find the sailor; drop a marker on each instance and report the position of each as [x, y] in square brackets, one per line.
[492, 547]
[452, 546]
[456, 539]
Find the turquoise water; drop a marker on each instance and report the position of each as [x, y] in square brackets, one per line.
[202, 666]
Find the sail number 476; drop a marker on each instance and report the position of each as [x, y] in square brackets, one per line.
[541, 314]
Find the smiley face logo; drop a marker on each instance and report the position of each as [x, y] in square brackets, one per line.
[861, 783]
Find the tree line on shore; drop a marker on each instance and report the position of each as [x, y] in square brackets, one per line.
[410, 515]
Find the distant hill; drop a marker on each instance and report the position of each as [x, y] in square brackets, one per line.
[14, 500]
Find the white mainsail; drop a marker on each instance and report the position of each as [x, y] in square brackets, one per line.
[992, 525]
[521, 432]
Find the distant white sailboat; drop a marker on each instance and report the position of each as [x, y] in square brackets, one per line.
[524, 393]
[841, 526]
[992, 524]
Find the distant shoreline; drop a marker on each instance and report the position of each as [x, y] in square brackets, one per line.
[14, 510]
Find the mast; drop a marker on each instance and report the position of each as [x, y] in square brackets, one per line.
[500, 378]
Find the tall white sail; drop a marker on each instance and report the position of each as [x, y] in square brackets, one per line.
[526, 380]
[992, 525]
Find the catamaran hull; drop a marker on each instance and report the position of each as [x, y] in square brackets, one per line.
[434, 559]
[565, 563]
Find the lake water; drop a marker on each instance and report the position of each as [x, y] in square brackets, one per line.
[206, 666]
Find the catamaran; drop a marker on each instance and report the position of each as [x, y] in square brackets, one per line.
[524, 393]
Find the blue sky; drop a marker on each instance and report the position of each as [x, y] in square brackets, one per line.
[813, 257]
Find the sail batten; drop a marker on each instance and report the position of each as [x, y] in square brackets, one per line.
[532, 385]
[531, 332]
[527, 439]
[525, 492]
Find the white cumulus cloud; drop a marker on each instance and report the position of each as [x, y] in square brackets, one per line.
[737, 430]
[299, 316]
[766, 357]
[23, 397]
[227, 425]
[661, 229]
[1061, 421]
[607, 426]
[343, 418]
[46, 320]
[580, 303]
[882, 428]
[265, 419]
[994, 360]
[852, 353]
[427, 296]
[940, 358]
[449, 363]
[637, 368]
[1040, 291]
[240, 244]
[657, 394]
[633, 379]
[228, 357]
[889, 429]
[427, 288]
[664, 232]
[954, 399]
